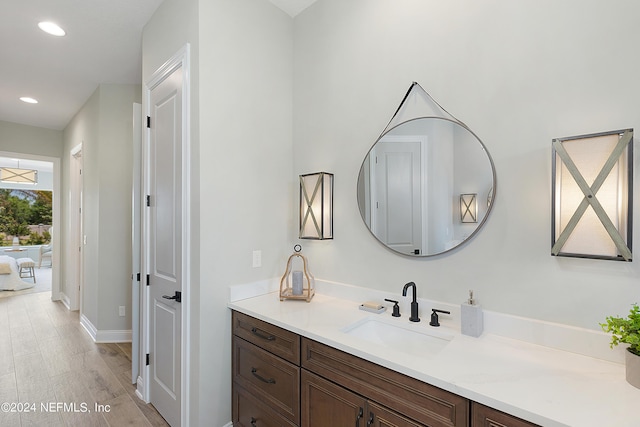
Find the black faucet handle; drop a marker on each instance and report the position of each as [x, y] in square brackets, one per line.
[434, 316]
[396, 307]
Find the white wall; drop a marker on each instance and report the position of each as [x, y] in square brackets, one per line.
[84, 128]
[17, 138]
[116, 183]
[518, 74]
[246, 170]
[105, 129]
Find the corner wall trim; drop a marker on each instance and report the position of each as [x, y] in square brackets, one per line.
[65, 300]
[140, 389]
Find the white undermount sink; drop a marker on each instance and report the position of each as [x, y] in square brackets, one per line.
[415, 339]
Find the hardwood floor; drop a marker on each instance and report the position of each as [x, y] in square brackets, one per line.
[51, 367]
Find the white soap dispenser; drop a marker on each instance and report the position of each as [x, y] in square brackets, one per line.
[471, 317]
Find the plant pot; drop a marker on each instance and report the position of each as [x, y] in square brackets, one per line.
[633, 368]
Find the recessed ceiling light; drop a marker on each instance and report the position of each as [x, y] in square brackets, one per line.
[29, 100]
[51, 28]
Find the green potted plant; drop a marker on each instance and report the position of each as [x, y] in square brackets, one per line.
[627, 330]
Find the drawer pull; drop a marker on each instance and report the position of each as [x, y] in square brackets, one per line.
[358, 417]
[254, 371]
[370, 422]
[253, 422]
[261, 335]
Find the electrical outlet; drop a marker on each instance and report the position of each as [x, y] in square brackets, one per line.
[257, 259]
[121, 310]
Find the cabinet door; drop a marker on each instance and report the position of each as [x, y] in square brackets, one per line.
[326, 404]
[483, 416]
[378, 416]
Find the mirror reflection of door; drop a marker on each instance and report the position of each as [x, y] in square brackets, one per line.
[410, 184]
[396, 205]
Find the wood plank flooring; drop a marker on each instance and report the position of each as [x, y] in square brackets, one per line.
[48, 362]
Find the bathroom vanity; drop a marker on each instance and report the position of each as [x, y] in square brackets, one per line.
[281, 378]
[317, 364]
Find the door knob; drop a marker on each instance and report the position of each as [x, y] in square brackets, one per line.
[177, 296]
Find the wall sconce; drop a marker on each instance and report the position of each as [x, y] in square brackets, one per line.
[593, 220]
[468, 208]
[316, 206]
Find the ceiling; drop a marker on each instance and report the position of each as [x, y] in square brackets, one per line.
[102, 46]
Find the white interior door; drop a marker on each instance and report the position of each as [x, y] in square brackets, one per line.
[397, 194]
[164, 257]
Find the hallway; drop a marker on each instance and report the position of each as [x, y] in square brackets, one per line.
[50, 365]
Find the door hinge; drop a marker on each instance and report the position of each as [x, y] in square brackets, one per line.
[149, 122]
[148, 200]
[147, 361]
[138, 277]
[148, 279]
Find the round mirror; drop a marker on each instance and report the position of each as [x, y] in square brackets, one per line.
[426, 186]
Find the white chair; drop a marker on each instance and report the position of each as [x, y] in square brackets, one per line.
[45, 252]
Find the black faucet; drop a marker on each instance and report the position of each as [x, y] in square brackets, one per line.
[414, 304]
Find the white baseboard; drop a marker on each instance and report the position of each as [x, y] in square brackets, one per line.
[104, 336]
[229, 424]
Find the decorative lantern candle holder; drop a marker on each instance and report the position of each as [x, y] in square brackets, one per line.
[297, 282]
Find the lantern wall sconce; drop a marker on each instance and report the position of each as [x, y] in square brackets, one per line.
[592, 196]
[316, 206]
[469, 208]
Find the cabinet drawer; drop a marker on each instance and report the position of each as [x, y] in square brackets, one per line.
[248, 411]
[484, 416]
[271, 379]
[278, 341]
[402, 394]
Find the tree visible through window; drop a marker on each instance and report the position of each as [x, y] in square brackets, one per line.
[27, 214]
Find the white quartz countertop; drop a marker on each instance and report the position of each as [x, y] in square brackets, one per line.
[546, 386]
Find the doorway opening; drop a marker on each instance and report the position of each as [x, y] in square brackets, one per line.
[28, 223]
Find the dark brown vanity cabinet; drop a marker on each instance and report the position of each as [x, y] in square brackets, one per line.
[266, 374]
[282, 379]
